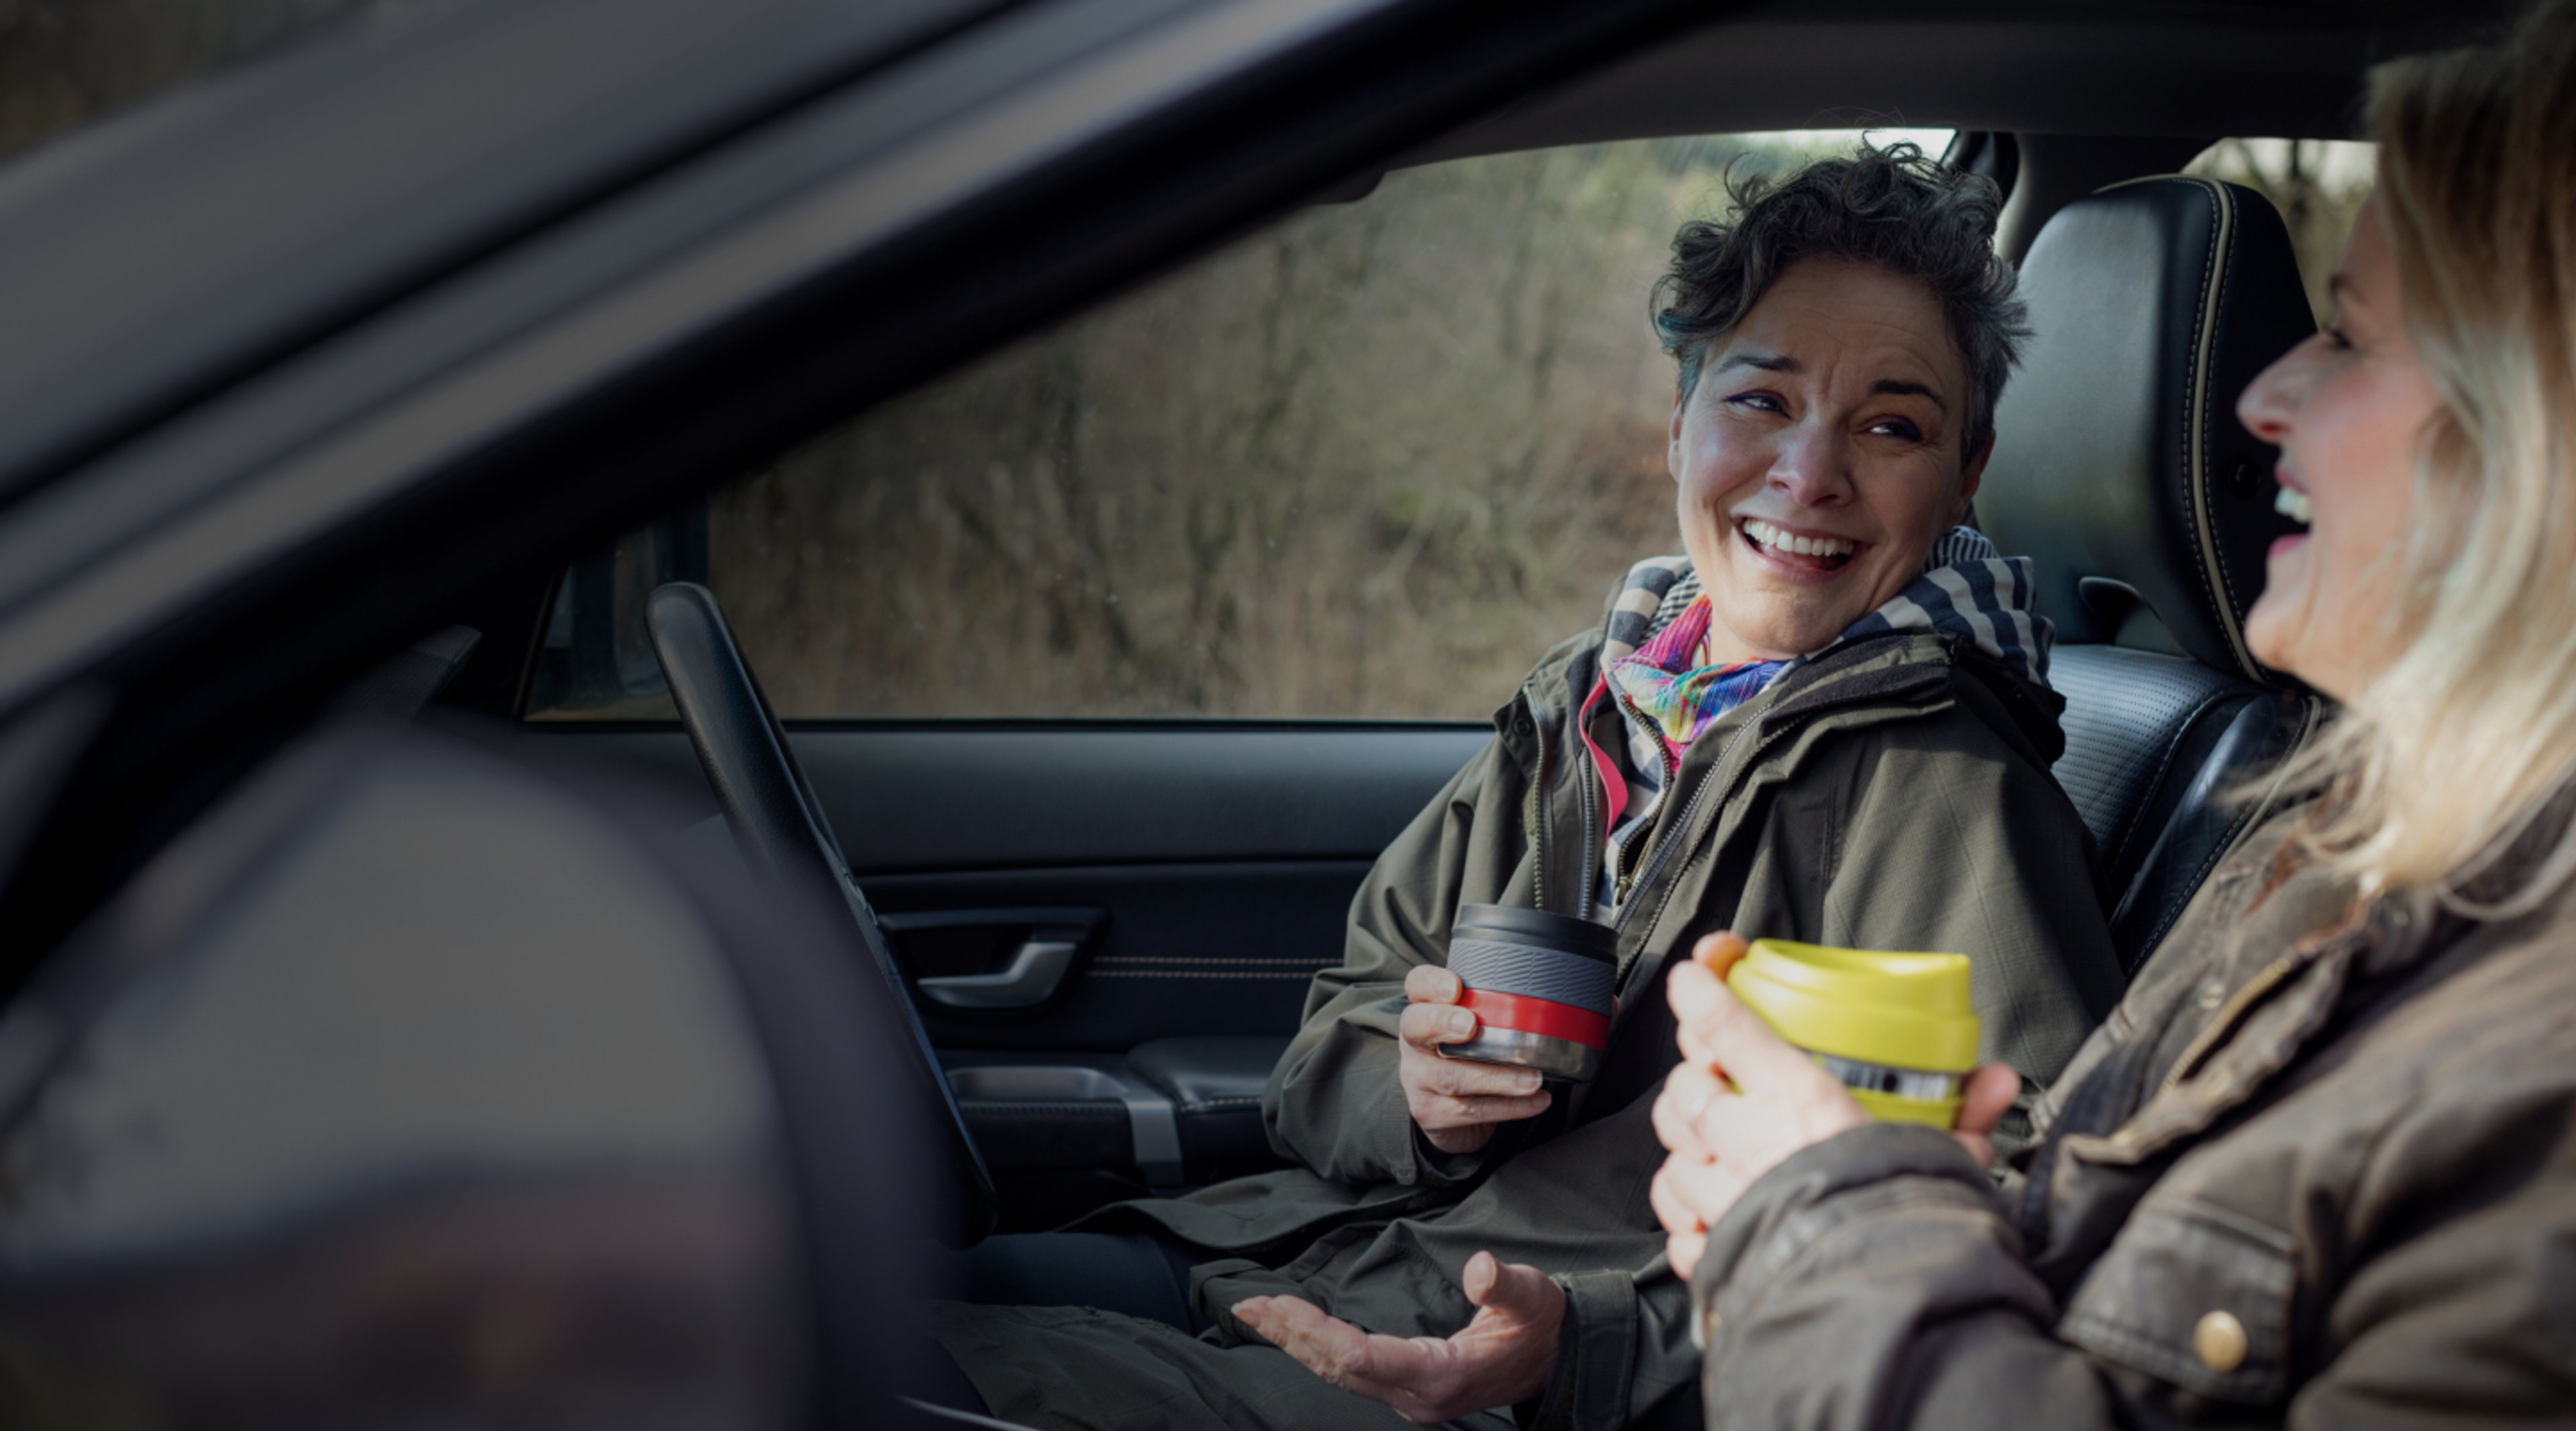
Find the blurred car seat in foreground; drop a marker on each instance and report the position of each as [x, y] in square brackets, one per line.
[411, 1087]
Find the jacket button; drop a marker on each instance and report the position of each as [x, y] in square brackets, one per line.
[2220, 1341]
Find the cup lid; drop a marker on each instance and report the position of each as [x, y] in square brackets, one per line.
[1876, 1006]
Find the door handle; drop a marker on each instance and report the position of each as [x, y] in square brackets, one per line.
[1051, 942]
[1029, 980]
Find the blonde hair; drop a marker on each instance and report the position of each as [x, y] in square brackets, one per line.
[2441, 767]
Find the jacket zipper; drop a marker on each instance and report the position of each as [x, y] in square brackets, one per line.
[1537, 819]
[1688, 818]
[1634, 856]
[1690, 813]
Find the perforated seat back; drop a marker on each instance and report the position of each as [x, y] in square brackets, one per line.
[2155, 747]
[2120, 468]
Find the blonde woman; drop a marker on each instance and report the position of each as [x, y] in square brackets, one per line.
[2320, 1165]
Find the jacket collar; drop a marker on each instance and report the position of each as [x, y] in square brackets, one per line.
[1967, 590]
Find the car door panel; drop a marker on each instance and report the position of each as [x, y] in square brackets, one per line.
[1221, 859]
[1203, 873]
[1202, 948]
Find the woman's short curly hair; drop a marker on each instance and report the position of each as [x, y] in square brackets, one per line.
[1894, 207]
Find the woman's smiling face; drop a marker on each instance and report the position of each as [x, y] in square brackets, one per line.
[2348, 409]
[1819, 456]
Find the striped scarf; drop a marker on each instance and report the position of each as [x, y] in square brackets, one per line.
[1967, 588]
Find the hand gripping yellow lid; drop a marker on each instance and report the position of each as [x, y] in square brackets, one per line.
[1898, 1014]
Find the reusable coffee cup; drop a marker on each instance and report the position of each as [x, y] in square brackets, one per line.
[1539, 986]
[1897, 1029]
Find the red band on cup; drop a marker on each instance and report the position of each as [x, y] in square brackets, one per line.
[1537, 1016]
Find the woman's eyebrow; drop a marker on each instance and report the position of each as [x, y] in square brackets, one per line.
[1893, 387]
[1767, 362]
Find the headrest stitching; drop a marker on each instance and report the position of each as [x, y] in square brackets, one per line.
[2213, 572]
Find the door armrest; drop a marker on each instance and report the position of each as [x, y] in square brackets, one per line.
[1209, 1075]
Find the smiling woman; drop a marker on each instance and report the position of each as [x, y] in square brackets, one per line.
[1819, 458]
[2344, 407]
[1841, 351]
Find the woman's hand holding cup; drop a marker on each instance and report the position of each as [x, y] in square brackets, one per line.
[1456, 1103]
[1743, 1099]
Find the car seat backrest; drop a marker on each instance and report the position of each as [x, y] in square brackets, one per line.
[2120, 468]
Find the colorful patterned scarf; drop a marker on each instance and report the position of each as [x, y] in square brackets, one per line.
[1668, 682]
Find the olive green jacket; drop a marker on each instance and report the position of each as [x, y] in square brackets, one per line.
[2318, 1169]
[1893, 793]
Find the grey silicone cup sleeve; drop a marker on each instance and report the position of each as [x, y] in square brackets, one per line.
[1533, 973]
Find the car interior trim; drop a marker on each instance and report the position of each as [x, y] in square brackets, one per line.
[1154, 1140]
[218, 289]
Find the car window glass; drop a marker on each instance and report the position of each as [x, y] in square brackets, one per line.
[2317, 184]
[1366, 464]
[66, 63]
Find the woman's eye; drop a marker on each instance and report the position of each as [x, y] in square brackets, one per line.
[1760, 402]
[1898, 427]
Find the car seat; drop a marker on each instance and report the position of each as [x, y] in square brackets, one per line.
[2120, 468]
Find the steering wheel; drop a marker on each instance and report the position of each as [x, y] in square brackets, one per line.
[783, 834]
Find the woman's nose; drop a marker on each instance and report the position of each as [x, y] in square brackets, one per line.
[1814, 468]
[2273, 397]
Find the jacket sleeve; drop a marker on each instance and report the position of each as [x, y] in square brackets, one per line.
[1924, 835]
[1873, 1281]
[1333, 1102]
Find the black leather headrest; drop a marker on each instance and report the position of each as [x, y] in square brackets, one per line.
[2119, 465]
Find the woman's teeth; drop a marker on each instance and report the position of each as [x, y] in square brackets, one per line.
[1771, 536]
[2296, 506]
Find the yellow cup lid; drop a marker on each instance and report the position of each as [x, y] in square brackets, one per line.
[1901, 1010]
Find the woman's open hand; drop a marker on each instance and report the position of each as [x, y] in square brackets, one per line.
[1455, 1103]
[1501, 1358]
[1721, 1138]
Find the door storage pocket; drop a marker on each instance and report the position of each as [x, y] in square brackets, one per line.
[2193, 1294]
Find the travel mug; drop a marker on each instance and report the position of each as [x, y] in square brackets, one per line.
[1897, 1029]
[1539, 986]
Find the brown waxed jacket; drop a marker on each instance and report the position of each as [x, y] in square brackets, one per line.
[1891, 794]
[2318, 1169]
